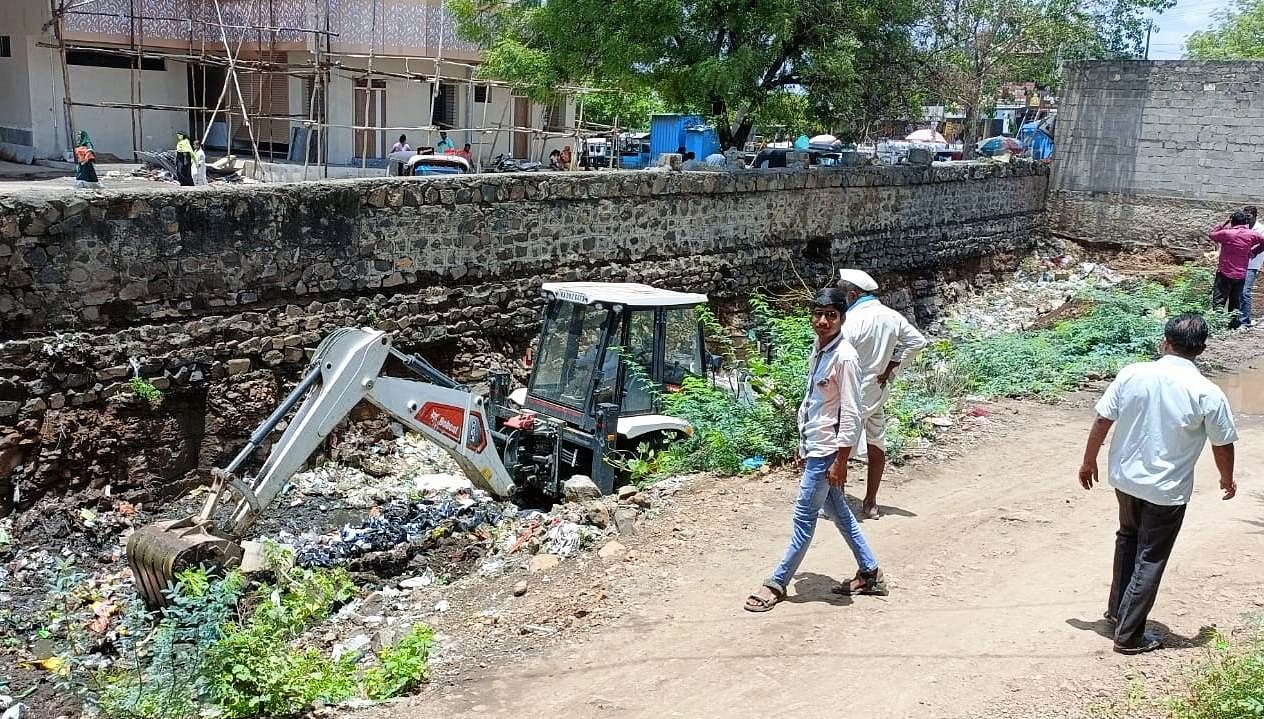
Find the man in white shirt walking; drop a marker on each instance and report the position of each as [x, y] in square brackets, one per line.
[884, 340]
[829, 428]
[1252, 268]
[1165, 411]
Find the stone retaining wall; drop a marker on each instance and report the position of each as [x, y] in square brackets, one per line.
[215, 294]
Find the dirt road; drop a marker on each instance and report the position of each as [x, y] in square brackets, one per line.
[999, 564]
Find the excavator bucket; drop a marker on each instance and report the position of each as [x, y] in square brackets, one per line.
[156, 553]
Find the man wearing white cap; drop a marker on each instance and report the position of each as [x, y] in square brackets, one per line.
[884, 340]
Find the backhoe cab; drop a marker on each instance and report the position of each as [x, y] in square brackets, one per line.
[606, 353]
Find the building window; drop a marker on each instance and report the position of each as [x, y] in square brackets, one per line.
[555, 116]
[444, 115]
[5, 49]
[480, 93]
[92, 58]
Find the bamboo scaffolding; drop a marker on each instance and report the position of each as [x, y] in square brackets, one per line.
[323, 65]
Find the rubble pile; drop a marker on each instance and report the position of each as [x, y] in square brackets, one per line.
[406, 530]
[1039, 287]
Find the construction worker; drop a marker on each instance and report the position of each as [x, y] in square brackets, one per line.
[884, 340]
[184, 159]
[85, 162]
[199, 163]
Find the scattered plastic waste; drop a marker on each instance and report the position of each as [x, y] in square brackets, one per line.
[398, 522]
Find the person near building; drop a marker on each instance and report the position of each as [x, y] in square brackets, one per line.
[444, 144]
[199, 163]
[1238, 243]
[85, 162]
[1163, 413]
[829, 428]
[1252, 267]
[566, 157]
[884, 340]
[402, 145]
[184, 160]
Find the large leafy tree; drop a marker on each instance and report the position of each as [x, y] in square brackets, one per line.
[624, 108]
[975, 46]
[730, 59]
[1238, 33]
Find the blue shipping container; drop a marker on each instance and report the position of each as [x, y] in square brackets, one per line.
[667, 133]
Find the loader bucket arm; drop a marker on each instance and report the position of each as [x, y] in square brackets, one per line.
[345, 369]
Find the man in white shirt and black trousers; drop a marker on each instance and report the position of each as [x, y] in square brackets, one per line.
[884, 340]
[1165, 411]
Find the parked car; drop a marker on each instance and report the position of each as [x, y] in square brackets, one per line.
[410, 164]
[438, 165]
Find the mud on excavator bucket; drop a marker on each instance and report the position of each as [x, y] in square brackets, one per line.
[158, 552]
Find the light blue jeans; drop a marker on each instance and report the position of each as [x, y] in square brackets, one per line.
[815, 494]
[1244, 311]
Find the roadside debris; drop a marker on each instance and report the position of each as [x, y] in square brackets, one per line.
[1038, 288]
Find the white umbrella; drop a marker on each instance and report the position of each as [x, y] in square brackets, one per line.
[925, 136]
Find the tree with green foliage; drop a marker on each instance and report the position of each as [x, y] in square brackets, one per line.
[727, 58]
[1238, 34]
[624, 108]
[975, 46]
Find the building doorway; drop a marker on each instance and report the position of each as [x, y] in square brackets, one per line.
[521, 118]
[370, 111]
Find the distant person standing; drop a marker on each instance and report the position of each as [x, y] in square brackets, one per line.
[884, 340]
[85, 162]
[402, 145]
[1252, 267]
[1166, 411]
[184, 160]
[199, 163]
[444, 144]
[1238, 243]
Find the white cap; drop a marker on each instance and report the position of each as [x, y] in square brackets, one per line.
[859, 278]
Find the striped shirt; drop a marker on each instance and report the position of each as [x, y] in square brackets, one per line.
[829, 417]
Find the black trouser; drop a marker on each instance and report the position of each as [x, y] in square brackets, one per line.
[1142, 545]
[1227, 293]
[184, 174]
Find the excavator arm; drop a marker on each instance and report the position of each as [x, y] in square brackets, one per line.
[346, 369]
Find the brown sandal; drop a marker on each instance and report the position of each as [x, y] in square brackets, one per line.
[763, 604]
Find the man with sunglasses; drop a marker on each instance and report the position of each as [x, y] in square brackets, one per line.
[829, 428]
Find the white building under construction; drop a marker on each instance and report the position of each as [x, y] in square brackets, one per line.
[319, 83]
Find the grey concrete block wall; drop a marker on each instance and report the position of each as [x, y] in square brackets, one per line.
[1155, 152]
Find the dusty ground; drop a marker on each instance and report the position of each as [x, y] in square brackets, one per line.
[999, 564]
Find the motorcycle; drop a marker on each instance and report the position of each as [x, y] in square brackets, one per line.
[511, 164]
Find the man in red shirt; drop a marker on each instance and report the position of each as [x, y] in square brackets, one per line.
[1238, 243]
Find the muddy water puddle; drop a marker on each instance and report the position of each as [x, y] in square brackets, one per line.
[1245, 390]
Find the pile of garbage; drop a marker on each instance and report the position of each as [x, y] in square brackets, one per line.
[1038, 288]
[399, 522]
[161, 167]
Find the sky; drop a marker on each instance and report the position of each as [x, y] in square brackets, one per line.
[1168, 42]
